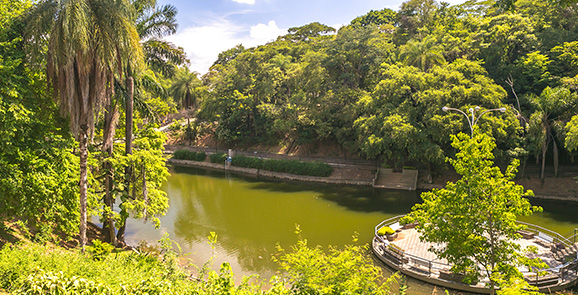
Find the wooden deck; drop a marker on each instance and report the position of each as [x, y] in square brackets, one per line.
[408, 254]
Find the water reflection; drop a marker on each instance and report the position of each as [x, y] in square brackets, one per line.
[250, 216]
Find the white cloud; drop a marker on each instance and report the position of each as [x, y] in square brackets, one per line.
[245, 1]
[203, 43]
[262, 33]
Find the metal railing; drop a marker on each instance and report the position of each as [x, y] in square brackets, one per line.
[430, 267]
[546, 233]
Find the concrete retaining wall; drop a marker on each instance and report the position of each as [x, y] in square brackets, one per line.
[267, 174]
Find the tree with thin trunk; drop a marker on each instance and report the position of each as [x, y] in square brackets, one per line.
[88, 43]
[475, 217]
[554, 107]
[185, 89]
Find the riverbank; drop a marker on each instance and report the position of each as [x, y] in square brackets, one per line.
[362, 172]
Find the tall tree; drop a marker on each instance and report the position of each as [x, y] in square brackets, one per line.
[422, 54]
[186, 89]
[89, 42]
[154, 22]
[554, 106]
[484, 205]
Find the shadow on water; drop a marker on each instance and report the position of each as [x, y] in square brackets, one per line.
[565, 211]
[355, 198]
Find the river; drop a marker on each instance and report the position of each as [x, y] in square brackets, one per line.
[251, 216]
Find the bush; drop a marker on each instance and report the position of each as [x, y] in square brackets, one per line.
[386, 230]
[298, 167]
[189, 155]
[284, 166]
[51, 269]
[218, 158]
[247, 162]
[99, 250]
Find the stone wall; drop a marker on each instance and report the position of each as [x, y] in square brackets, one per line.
[268, 174]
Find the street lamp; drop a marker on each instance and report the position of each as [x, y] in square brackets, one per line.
[473, 120]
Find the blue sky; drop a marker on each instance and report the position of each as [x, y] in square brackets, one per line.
[208, 27]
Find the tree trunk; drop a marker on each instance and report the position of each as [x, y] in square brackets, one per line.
[120, 233]
[189, 132]
[544, 149]
[83, 147]
[492, 254]
[129, 111]
[555, 154]
[145, 191]
[128, 147]
[110, 120]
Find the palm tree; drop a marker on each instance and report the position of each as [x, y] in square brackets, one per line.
[89, 42]
[552, 107]
[185, 89]
[422, 54]
[153, 23]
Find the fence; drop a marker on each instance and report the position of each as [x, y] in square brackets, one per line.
[566, 272]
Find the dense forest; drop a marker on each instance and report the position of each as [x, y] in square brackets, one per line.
[79, 106]
[376, 87]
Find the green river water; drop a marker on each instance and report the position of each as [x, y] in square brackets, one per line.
[251, 216]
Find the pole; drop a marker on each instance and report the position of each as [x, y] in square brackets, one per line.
[473, 120]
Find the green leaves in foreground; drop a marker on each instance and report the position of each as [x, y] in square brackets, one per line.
[475, 217]
[311, 270]
[38, 269]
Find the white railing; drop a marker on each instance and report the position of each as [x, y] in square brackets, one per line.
[430, 267]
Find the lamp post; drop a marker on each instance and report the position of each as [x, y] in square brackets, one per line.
[473, 119]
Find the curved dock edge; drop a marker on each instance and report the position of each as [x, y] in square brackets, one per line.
[421, 266]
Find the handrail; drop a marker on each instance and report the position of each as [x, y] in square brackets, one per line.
[545, 230]
[435, 266]
[375, 178]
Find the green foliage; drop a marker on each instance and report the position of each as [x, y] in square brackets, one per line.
[189, 155]
[146, 199]
[298, 167]
[99, 250]
[284, 166]
[50, 283]
[376, 17]
[310, 270]
[386, 230]
[484, 204]
[38, 174]
[218, 158]
[34, 269]
[247, 162]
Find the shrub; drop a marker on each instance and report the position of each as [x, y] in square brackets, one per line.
[247, 162]
[218, 158]
[189, 155]
[176, 125]
[298, 167]
[99, 250]
[284, 166]
[36, 267]
[386, 230]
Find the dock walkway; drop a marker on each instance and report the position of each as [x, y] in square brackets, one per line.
[408, 254]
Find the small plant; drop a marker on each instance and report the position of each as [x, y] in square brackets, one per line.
[42, 282]
[176, 125]
[189, 155]
[386, 230]
[247, 162]
[218, 158]
[100, 250]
